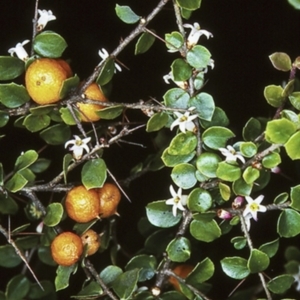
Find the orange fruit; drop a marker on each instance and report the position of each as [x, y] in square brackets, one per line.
[92, 240]
[110, 197]
[87, 111]
[82, 205]
[66, 248]
[44, 79]
[182, 271]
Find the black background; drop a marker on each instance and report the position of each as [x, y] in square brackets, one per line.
[245, 34]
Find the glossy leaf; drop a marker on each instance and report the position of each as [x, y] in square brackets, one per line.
[274, 95]
[110, 113]
[281, 198]
[279, 131]
[8, 206]
[184, 176]
[93, 173]
[235, 267]
[45, 256]
[204, 104]
[68, 158]
[252, 130]
[199, 200]
[181, 70]
[36, 292]
[16, 183]
[295, 100]
[270, 248]
[147, 265]
[4, 118]
[68, 85]
[173, 160]
[174, 41]
[17, 288]
[216, 137]
[56, 135]
[224, 191]
[258, 261]
[203, 271]
[189, 4]
[248, 149]
[292, 146]
[183, 144]
[144, 43]
[288, 223]
[176, 98]
[110, 274]
[157, 121]
[272, 160]
[35, 123]
[239, 242]
[126, 14]
[13, 95]
[295, 197]
[295, 3]
[157, 242]
[207, 163]
[91, 290]
[54, 213]
[219, 118]
[281, 61]
[280, 284]
[159, 214]
[206, 231]
[107, 72]
[62, 276]
[10, 67]
[228, 172]
[198, 57]
[49, 44]
[8, 257]
[290, 115]
[67, 116]
[179, 249]
[125, 284]
[250, 174]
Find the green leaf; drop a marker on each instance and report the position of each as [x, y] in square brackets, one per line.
[4, 118]
[239, 242]
[281, 198]
[125, 284]
[8, 206]
[110, 274]
[295, 100]
[295, 3]
[173, 160]
[35, 123]
[203, 271]
[281, 61]
[199, 200]
[13, 95]
[17, 288]
[126, 14]
[176, 98]
[107, 72]
[16, 183]
[147, 265]
[181, 70]
[40, 165]
[228, 172]
[248, 149]
[54, 213]
[93, 173]
[67, 117]
[184, 176]
[90, 291]
[158, 241]
[295, 197]
[11, 67]
[274, 95]
[258, 261]
[290, 115]
[292, 146]
[68, 158]
[207, 163]
[224, 191]
[250, 174]
[183, 144]
[62, 276]
[68, 85]
[110, 113]
[280, 284]
[206, 231]
[179, 249]
[279, 131]
[8, 257]
[288, 223]
[56, 135]
[270, 248]
[204, 104]
[252, 129]
[45, 256]
[157, 121]
[189, 4]
[272, 160]
[216, 137]
[49, 44]
[198, 57]
[174, 41]
[235, 267]
[144, 43]
[36, 292]
[159, 214]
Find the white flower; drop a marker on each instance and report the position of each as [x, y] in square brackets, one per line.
[184, 121]
[45, 17]
[178, 201]
[181, 84]
[247, 219]
[78, 146]
[195, 34]
[20, 51]
[297, 279]
[231, 154]
[254, 206]
[104, 55]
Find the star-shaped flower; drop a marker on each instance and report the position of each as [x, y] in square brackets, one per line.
[254, 206]
[20, 51]
[184, 121]
[178, 200]
[45, 17]
[78, 146]
[231, 154]
[104, 55]
[195, 34]
[297, 280]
